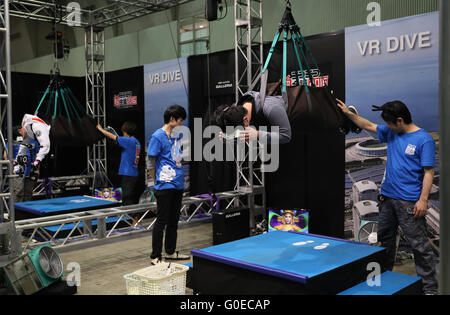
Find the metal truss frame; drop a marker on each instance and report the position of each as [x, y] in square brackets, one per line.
[250, 177]
[59, 184]
[115, 12]
[249, 54]
[9, 239]
[5, 99]
[121, 11]
[249, 59]
[96, 97]
[43, 11]
[133, 217]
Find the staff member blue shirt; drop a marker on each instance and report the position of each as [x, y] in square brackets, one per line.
[408, 155]
[129, 161]
[169, 173]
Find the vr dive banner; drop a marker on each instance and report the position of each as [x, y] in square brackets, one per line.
[165, 84]
[398, 60]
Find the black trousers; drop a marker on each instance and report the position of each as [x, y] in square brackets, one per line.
[168, 204]
[129, 184]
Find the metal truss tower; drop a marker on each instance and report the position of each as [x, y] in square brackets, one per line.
[250, 179]
[10, 246]
[249, 58]
[248, 44]
[96, 97]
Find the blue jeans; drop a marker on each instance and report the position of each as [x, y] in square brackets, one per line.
[395, 212]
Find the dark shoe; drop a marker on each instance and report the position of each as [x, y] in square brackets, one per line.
[156, 261]
[177, 256]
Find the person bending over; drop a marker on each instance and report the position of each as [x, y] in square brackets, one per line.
[248, 112]
[24, 184]
[34, 128]
[406, 186]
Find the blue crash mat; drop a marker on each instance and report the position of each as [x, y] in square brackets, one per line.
[70, 226]
[288, 255]
[390, 284]
[61, 205]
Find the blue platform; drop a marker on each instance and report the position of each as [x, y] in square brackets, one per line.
[391, 283]
[57, 206]
[54, 206]
[274, 253]
[282, 255]
[70, 226]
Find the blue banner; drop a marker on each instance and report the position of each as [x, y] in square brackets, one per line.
[398, 60]
[165, 84]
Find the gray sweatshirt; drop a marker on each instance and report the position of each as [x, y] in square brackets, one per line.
[275, 112]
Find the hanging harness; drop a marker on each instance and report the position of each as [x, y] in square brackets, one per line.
[70, 124]
[310, 108]
[289, 26]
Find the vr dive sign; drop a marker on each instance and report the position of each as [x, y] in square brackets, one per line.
[396, 44]
[165, 77]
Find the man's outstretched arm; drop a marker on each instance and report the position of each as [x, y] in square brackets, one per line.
[107, 133]
[357, 120]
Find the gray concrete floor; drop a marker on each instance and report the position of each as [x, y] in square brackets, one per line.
[103, 266]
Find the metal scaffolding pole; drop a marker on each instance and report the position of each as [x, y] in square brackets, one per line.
[9, 245]
[248, 67]
[96, 98]
[250, 178]
[248, 44]
[444, 146]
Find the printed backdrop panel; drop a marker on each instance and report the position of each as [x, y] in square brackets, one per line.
[397, 61]
[165, 84]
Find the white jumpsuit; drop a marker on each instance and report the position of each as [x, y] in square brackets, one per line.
[37, 130]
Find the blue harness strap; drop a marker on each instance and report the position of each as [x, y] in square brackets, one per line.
[42, 100]
[284, 60]
[301, 67]
[272, 49]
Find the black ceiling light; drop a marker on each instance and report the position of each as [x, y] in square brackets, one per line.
[61, 47]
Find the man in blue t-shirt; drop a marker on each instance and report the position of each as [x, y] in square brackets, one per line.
[129, 161]
[406, 186]
[166, 171]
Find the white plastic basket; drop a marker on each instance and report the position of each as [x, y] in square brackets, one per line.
[162, 279]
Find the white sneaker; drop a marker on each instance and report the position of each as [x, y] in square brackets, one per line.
[177, 256]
